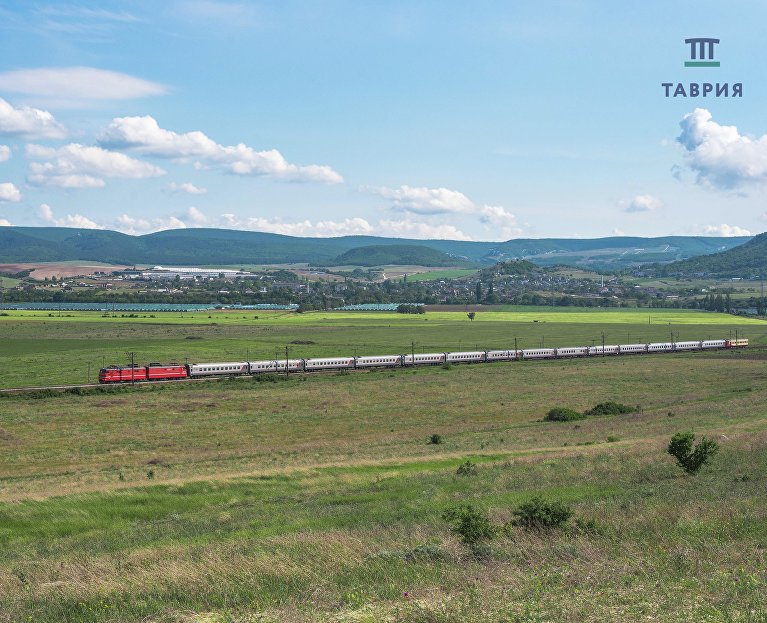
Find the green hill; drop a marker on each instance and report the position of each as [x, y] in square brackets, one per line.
[746, 260]
[402, 254]
[224, 246]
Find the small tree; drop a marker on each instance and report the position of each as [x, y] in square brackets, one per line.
[435, 439]
[563, 414]
[471, 525]
[537, 513]
[471, 315]
[692, 459]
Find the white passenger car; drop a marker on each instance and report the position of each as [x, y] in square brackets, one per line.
[713, 344]
[660, 347]
[329, 363]
[468, 357]
[633, 348]
[609, 349]
[380, 361]
[687, 346]
[502, 355]
[424, 359]
[276, 365]
[218, 369]
[538, 353]
[572, 351]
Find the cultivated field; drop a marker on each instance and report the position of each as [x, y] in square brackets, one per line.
[320, 498]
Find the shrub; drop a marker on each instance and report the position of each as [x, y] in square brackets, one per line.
[467, 468]
[609, 408]
[692, 459]
[435, 439]
[538, 513]
[563, 414]
[612, 438]
[470, 524]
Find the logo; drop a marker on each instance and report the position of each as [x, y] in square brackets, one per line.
[702, 55]
[701, 48]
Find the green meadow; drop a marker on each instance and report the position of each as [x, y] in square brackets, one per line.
[320, 497]
[42, 348]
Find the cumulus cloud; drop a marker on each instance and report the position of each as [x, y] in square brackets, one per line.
[643, 203]
[28, 123]
[433, 201]
[5, 223]
[132, 225]
[45, 212]
[347, 227]
[5, 153]
[726, 231]
[78, 83]
[82, 166]
[144, 135]
[721, 157]
[196, 216]
[420, 200]
[186, 188]
[9, 192]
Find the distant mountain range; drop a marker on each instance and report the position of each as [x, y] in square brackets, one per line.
[225, 246]
[746, 260]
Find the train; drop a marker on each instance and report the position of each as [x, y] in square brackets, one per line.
[177, 371]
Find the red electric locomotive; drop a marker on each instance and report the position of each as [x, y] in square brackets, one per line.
[120, 374]
[152, 372]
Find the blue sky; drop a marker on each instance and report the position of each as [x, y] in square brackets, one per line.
[483, 120]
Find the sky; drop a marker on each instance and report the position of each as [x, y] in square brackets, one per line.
[462, 120]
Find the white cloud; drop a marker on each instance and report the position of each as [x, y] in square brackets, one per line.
[186, 187]
[5, 153]
[433, 201]
[196, 216]
[70, 220]
[27, 122]
[46, 213]
[421, 200]
[78, 83]
[131, 225]
[422, 231]
[726, 231]
[643, 203]
[144, 135]
[722, 158]
[82, 166]
[5, 223]
[347, 227]
[9, 192]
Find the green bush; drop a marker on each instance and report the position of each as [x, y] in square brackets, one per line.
[563, 414]
[538, 513]
[609, 408]
[435, 439]
[467, 468]
[470, 524]
[692, 459]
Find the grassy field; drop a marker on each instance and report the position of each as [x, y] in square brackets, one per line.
[45, 348]
[319, 498]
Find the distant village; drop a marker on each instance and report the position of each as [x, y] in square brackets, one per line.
[307, 288]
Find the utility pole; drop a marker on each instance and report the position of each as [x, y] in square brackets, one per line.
[89, 373]
[412, 352]
[287, 369]
[132, 356]
[603, 343]
[672, 336]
